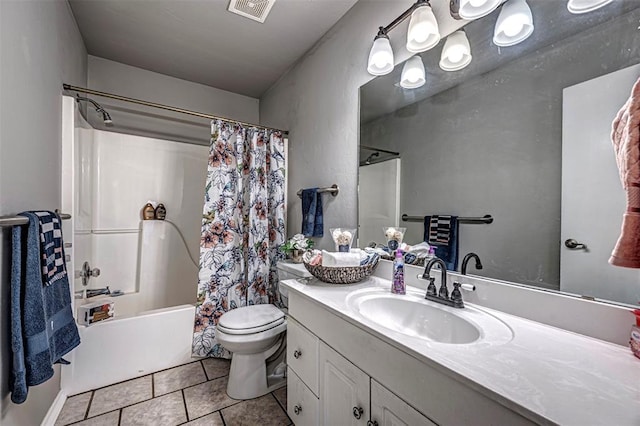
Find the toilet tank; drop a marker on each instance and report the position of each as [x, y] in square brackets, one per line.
[290, 271]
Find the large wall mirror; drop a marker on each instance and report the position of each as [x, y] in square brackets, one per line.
[522, 134]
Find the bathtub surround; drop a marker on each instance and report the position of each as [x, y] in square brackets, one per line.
[245, 179]
[190, 394]
[41, 46]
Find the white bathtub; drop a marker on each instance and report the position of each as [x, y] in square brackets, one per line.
[127, 347]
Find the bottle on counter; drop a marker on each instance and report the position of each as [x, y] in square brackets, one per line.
[148, 212]
[634, 341]
[161, 212]
[397, 283]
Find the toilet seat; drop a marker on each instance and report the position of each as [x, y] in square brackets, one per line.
[251, 319]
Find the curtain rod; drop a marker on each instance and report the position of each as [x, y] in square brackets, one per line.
[161, 106]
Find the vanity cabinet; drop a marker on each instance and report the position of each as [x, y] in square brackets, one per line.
[346, 395]
[336, 367]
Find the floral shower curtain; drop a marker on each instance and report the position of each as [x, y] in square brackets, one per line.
[242, 227]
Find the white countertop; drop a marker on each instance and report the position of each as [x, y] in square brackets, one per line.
[554, 375]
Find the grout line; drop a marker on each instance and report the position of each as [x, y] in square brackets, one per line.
[184, 401]
[86, 413]
[101, 414]
[280, 404]
[153, 387]
[119, 417]
[205, 370]
[224, 422]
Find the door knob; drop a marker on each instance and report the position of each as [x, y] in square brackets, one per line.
[574, 245]
[297, 409]
[357, 412]
[297, 354]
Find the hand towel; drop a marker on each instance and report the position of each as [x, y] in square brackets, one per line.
[312, 218]
[441, 231]
[341, 259]
[42, 325]
[625, 136]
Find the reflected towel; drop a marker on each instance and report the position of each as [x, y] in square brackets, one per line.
[312, 218]
[625, 137]
[42, 325]
[442, 233]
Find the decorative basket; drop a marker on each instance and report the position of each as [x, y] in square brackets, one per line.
[340, 274]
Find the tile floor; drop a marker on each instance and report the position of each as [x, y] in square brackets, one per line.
[192, 394]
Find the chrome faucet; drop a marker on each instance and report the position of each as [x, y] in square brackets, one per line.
[442, 296]
[467, 258]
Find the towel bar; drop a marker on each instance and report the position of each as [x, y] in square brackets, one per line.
[484, 219]
[20, 220]
[333, 189]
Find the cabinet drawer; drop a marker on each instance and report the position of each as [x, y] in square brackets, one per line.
[302, 404]
[388, 410]
[302, 354]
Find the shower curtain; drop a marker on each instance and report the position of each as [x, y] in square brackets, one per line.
[242, 227]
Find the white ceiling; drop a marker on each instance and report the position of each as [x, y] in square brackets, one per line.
[200, 41]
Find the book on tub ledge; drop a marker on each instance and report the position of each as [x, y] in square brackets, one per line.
[100, 310]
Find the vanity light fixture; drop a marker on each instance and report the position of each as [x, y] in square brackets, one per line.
[456, 53]
[381, 55]
[514, 25]
[413, 75]
[472, 9]
[423, 34]
[585, 6]
[423, 31]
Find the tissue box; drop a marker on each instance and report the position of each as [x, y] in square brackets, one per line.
[100, 310]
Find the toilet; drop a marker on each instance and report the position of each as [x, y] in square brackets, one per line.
[256, 336]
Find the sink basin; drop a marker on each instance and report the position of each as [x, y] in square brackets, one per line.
[413, 316]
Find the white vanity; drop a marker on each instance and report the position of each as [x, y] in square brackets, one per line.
[359, 355]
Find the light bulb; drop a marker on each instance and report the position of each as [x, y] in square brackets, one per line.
[423, 33]
[514, 25]
[474, 9]
[584, 6]
[381, 57]
[456, 53]
[413, 75]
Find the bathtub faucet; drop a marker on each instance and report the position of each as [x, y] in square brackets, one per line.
[91, 292]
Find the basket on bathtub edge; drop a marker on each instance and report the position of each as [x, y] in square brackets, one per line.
[341, 274]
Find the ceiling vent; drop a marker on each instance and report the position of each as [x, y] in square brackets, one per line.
[252, 9]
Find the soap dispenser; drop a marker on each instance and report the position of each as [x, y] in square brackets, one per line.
[148, 212]
[397, 285]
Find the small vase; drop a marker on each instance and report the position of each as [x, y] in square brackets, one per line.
[296, 256]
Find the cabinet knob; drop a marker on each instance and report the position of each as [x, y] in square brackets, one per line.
[357, 412]
[372, 423]
[297, 354]
[297, 409]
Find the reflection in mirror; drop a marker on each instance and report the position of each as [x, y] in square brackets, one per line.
[522, 133]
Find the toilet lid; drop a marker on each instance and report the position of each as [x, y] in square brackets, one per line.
[251, 319]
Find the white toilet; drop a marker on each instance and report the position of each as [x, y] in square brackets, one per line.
[256, 337]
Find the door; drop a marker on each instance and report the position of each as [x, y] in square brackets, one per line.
[389, 410]
[378, 200]
[344, 390]
[588, 161]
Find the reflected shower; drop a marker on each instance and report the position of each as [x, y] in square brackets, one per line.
[106, 117]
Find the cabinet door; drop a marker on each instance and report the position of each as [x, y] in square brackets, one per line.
[302, 404]
[389, 410]
[344, 390]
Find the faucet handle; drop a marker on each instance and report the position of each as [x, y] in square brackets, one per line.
[456, 296]
[431, 288]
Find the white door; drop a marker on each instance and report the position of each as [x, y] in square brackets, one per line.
[378, 200]
[593, 200]
[389, 410]
[344, 391]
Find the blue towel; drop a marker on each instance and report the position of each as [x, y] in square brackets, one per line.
[312, 219]
[442, 232]
[42, 325]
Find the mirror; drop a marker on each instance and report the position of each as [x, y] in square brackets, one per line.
[522, 134]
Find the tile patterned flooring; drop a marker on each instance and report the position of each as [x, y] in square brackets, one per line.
[192, 394]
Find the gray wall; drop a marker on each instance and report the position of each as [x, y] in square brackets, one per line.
[317, 100]
[40, 47]
[493, 145]
[114, 77]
